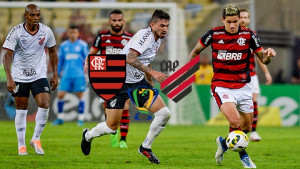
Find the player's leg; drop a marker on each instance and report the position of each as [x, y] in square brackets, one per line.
[79, 88]
[162, 115]
[21, 101]
[41, 92]
[254, 136]
[60, 108]
[124, 125]
[80, 109]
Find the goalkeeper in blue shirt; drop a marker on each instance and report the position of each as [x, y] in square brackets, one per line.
[72, 54]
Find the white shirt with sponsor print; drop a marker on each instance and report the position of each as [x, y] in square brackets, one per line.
[29, 60]
[144, 43]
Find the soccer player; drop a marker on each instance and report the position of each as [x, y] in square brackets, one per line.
[72, 54]
[24, 49]
[244, 21]
[231, 49]
[112, 41]
[140, 50]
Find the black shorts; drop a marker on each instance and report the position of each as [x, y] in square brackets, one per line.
[119, 100]
[36, 87]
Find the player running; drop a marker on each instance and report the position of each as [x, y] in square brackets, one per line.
[72, 54]
[24, 49]
[140, 50]
[244, 21]
[112, 41]
[231, 50]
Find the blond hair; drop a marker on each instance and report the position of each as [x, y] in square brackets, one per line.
[231, 10]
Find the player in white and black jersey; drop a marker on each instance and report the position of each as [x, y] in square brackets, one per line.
[140, 51]
[26, 68]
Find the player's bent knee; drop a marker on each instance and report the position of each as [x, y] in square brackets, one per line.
[164, 115]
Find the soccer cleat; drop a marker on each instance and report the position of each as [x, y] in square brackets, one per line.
[123, 144]
[85, 145]
[22, 151]
[247, 162]
[254, 136]
[36, 144]
[80, 123]
[58, 122]
[221, 150]
[148, 153]
[114, 140]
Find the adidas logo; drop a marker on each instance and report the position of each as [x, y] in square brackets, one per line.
[221, 41]
[107, 41]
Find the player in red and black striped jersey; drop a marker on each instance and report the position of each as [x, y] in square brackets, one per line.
[112, 41]
[231, 51]
[244, 21]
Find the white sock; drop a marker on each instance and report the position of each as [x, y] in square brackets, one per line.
[100, 130]
[40, 122]
[158, 124]
[20, 123]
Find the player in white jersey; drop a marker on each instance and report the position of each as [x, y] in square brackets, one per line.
[140, 50]
[25, 51]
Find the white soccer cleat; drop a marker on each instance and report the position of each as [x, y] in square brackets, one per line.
[254, 136]
[22, 151]
[36, 144]
[247, 162]
[220, 151]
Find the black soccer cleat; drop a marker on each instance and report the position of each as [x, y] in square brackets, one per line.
[148, 153]
[85, 145]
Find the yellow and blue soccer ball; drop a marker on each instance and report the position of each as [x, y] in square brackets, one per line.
[237, 141]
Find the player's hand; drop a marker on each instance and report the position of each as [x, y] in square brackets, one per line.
[270, 52]
[54, 82]
[11, 85]
[268, 78]
[158, 76]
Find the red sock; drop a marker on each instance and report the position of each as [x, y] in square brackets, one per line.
[255, 116]
[124, 124]
[232, 129]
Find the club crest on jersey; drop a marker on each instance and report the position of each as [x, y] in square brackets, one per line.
[42, 40]
[107, 74]
[241, 41]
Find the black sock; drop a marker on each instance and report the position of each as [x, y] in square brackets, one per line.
[242, 153]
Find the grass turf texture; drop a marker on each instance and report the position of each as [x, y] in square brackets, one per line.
[177, 147]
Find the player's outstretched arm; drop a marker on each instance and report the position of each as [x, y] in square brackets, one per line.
[265, 55]
[7, 61]
[53, 61]
[133, 61]
[196, 51]
[267, 74]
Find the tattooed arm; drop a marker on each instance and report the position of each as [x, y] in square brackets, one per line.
[265, 55]
[132, 60]
[196, 51]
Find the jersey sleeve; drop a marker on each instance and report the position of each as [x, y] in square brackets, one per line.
[255, 43]
[206, 38]
[97, 42]
[51, 41]
[141, 41]
[11, 40]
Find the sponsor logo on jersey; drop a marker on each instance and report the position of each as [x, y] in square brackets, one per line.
[221, 41]
[241, 41]
[256, 41]
[112, 50]
[217, 33]
[29, 72]
[107, 41]
[229, 56]
[207, 39]
[144, 38]
[107, 74]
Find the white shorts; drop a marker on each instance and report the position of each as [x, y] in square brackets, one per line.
[254, 84]
[241, 97]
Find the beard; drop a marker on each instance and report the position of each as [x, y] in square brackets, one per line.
[117, 30]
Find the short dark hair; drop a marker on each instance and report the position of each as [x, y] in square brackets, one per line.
[73, 27]
[160, 14]
[245, 10]
[116, 11]
[231, 10]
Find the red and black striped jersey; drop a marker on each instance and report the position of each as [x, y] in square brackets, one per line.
[108, 43]
[231, 55]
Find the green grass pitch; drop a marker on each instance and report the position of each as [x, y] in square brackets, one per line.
[177, 147]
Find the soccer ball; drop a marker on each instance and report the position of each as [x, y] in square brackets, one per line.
[237, 141]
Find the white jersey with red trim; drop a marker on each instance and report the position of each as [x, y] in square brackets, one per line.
[144, 43]
[29, 61]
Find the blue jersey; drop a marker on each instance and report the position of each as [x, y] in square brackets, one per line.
[71, 58]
